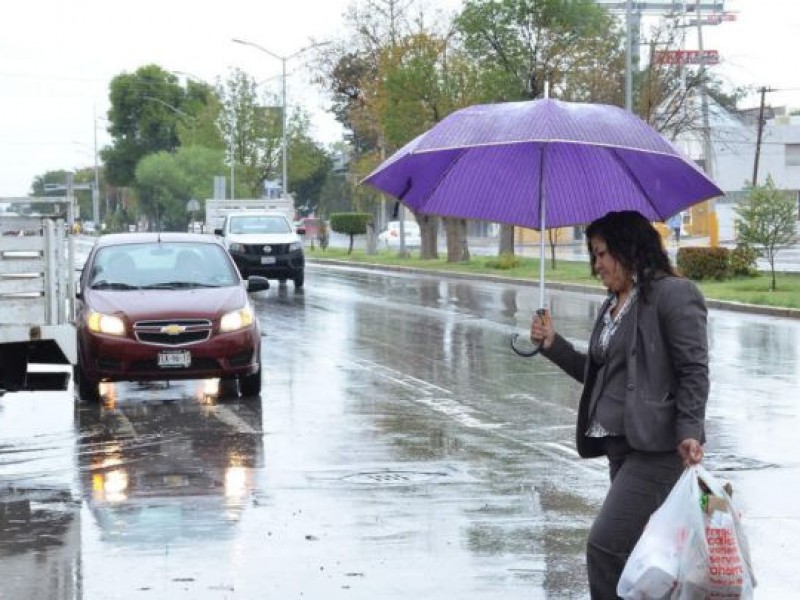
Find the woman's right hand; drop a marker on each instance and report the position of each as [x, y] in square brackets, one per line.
[542, 330]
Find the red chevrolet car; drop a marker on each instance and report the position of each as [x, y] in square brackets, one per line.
[162, 306]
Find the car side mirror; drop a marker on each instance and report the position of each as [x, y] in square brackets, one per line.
[257, 283]
[300, 231]
[218, 232]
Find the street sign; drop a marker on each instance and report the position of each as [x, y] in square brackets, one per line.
[664, 7]
[686, 57]
[192, 205]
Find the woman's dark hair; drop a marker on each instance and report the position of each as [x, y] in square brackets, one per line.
[633, 241]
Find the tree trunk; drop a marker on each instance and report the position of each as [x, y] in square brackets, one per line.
[429, 230]
[457, 245]
[372, 240]
[506, 240]
[552, 237]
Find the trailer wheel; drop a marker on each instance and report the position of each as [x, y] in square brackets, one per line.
[88, 389]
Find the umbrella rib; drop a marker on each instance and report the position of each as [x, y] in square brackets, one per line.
[442, 176]
[635, 180]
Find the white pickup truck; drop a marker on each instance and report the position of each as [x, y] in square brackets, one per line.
[264, 243]
[37, 267]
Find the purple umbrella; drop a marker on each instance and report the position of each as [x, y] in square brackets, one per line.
[542, 163]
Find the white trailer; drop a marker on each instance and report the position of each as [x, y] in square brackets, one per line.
[37, 282]
[217, 209]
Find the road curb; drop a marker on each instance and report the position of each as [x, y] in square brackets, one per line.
[740, 307]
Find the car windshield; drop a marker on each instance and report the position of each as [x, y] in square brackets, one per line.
[165, 265]
[259, 224]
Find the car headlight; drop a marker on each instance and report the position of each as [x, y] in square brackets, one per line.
[237, 319]
[108, 324]
[236, 247]
[295, 246]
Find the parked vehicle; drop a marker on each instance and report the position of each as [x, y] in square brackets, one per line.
[163, 306]
[217, 210]
[264, 243]
[36, 284]
[390, 237]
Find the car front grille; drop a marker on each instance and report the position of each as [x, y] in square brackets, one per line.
[260, 249]
[178, 332]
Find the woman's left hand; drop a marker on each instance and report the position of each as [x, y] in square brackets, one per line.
[691, 452]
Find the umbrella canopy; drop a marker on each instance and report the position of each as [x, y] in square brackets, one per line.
[542, 163]
[539, 164]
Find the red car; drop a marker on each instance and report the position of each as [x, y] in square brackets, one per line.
[163, 306]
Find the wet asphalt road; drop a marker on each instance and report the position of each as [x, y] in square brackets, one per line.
[399, 450]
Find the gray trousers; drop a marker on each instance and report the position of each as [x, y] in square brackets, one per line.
[640, 482]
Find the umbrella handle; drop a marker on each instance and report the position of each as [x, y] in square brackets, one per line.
[543, 315]
[520, 351]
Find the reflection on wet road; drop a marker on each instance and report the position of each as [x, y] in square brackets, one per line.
[399, 449]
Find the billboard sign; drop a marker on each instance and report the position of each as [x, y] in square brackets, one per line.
[686, 57]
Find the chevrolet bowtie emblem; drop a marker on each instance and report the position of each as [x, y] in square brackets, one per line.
[173, 329]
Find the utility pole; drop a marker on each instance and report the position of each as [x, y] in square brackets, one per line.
[284, 107]
[628, 56]
[708, 151]
[759, 132]
[233, 155]
[96, 189]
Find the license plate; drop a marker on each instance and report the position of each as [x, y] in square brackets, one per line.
[178, 359]
[267, 260]
[175, 481]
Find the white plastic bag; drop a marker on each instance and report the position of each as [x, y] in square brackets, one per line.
[686, 554]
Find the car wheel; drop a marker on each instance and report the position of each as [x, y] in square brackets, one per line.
[88, 388]
[299, 279]
[250, 385]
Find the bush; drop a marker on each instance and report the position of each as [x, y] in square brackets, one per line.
[743, 261]
[505, 261]
[704, 263]
[350, 223]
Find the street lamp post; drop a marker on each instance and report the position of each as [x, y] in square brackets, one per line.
[96, 190]
[284, 60]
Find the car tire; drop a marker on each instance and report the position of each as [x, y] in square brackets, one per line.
[299, 279]
[88, 388]
[250, 385]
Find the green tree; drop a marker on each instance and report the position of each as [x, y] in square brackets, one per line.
[309, 165]
[394, 78]
[253, 123]
[574, 46]
[146, 108]
[351, 224]
[767, 222]
[202, 102]
[167, 181]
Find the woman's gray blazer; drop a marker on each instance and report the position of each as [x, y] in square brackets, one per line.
[667, 369]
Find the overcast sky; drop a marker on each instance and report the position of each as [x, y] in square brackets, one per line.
[57, 58]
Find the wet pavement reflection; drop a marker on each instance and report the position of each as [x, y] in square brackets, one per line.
[399, 449]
